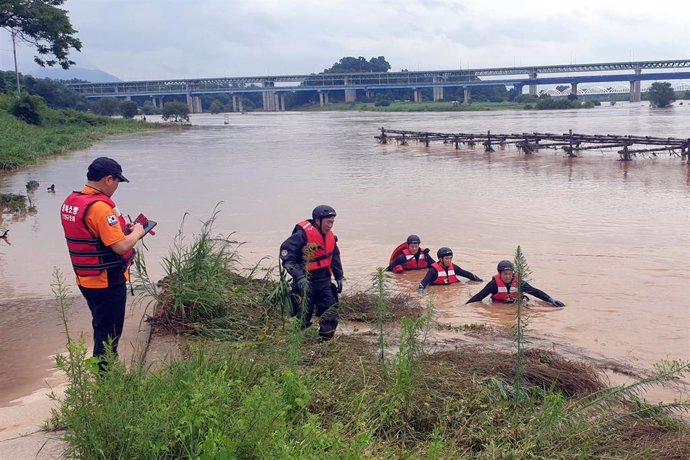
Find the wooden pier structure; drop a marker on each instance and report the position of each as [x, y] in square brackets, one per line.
[528, 143]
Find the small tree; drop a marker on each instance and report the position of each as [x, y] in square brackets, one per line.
[43, 24]
[128, 109]
[108, 106]
[661, 94]
[177, 111]
[216, 107]
[149, 109]
[27, 108]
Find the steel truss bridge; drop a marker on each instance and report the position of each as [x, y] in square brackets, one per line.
[274, 87]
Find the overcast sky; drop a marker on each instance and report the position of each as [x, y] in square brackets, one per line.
[155, 39]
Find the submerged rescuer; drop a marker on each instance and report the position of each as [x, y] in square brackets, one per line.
[445, 271]
[101, 248]
[504, 287]
[311, 257]
[409, 256]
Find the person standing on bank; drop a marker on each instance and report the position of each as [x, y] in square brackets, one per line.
[409, 256]
[312, 250]
[503, 287]
[445, 271]
[101, 248]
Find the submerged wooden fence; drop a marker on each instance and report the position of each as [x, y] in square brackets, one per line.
[571, 143]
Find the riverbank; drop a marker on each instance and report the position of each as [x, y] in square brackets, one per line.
[22, 144]
[415, 107]
[254, 384]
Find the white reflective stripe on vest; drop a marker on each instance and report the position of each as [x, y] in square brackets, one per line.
[502, 289]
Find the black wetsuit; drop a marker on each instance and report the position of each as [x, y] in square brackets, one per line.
[401, 259]
[322, 294]
[432, 274]
[492, 288]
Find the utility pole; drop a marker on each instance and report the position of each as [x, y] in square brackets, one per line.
[16, 71]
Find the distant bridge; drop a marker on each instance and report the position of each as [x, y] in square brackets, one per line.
[275, 87]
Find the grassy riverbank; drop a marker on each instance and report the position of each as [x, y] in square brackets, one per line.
[60, 131]
[253, 385]
[416, 107]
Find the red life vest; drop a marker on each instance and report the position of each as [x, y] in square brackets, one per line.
[319, 248]
[503, 294]
[88, 253]
[411, 263]
[444, 277]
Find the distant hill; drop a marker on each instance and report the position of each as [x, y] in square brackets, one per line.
[92, 75]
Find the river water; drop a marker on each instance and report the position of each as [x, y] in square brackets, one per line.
[610, 239]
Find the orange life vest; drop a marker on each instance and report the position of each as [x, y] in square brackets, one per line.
[445, 277]
[87, 252]
[505, 294]
[319, 248]
[410, 263]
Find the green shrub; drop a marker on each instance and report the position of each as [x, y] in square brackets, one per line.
[28, 108]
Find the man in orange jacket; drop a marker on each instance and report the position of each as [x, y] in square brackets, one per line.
[101, 248]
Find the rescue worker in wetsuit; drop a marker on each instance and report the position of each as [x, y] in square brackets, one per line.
[503, 287]
[445, 271]
[311, 257]
[101, 248]
[411, 256]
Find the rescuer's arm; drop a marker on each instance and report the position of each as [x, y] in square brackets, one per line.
[337, 265]
[430, 276]
[464, 273]
[397, 261]
[490, 288]
[541, 295]
[130, 240]
[291, 254]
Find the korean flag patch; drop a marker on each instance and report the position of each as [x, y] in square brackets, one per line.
[112, 220]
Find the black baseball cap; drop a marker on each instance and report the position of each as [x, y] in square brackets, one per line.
[104, 166]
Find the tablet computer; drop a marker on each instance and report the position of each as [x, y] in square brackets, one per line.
[145, 222]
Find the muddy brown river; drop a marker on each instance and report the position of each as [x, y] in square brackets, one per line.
[610, 239]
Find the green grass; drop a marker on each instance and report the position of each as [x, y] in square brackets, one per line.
[22, 144]
[416, 107]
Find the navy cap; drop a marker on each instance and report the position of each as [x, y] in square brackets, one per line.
[104, 166]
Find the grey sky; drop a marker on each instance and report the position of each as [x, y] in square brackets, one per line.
[152, 39]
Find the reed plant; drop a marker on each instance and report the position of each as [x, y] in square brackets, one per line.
[522, 271]
[380, 281]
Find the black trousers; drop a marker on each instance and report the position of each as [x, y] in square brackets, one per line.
[107, 307]
[321, 299]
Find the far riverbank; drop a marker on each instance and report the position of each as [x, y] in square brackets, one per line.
[60, 131]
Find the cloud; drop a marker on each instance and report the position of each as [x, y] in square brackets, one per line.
[152, 39]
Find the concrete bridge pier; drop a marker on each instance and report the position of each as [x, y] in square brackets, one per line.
[467, 95]
[573, 88]
[636, 88]
[281, 102]
[237, 103]
[350, 94]
[323, 98]
[268, 97]
[518, 90]
[533, 88]
[437, 90]
[194, 104]
[417, 93]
